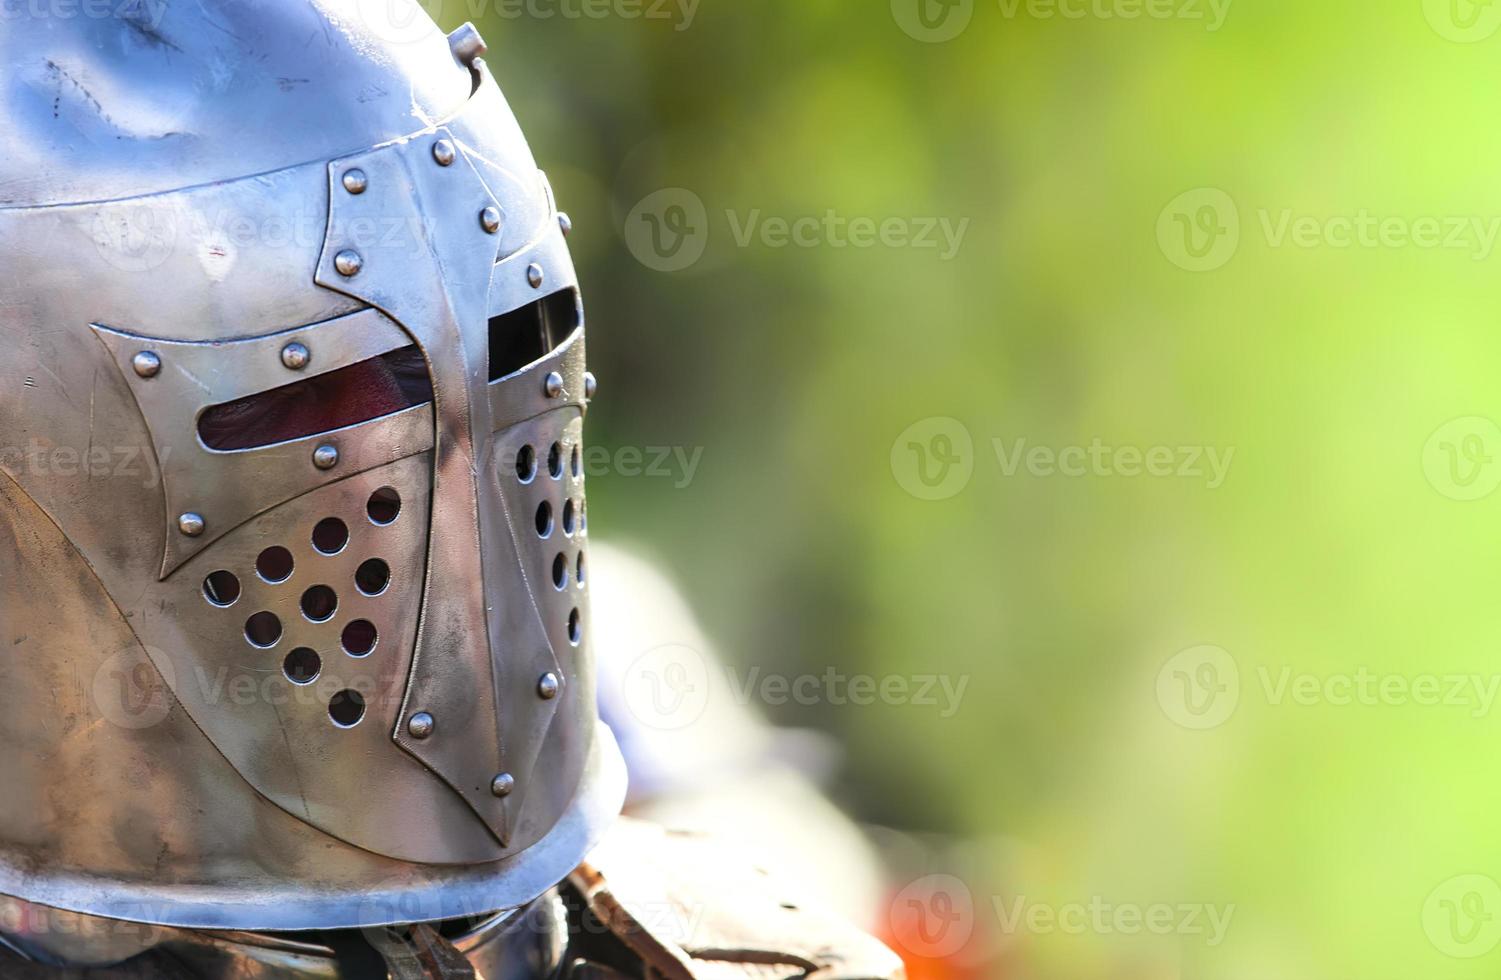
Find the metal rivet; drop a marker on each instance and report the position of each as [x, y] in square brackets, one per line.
[489, 219]
[466, 44]
[548, 686]
[534, 275]
[553, 385]
[296, 356]
[502, 785]
[349, 263]
[326, 457]
[191, 524]
[591, 384]
[565, 223]
[443, 152]
[355, 181]
[421, 725]
[146, 364]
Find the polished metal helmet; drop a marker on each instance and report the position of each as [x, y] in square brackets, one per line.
[293, 564]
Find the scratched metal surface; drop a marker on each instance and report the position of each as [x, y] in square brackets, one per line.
[143, 785]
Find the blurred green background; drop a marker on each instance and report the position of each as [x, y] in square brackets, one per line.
[1087, 300]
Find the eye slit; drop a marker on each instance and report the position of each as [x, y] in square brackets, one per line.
[373, 388]
[527, 334]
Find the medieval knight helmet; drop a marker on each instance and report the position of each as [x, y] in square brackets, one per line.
[293, 564]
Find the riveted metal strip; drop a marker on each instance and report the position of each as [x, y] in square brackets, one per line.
[174, 381]
[435, 282]
[525, 394]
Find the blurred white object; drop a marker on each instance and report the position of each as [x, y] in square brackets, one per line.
[700, 757]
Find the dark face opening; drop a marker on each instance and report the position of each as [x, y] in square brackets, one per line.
[368, 390]
[532, 332]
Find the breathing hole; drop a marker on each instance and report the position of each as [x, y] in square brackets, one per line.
[263, 630]
[221, 588]
[578, 574]
[330, 535]
[577, 463]
[372, 577]
[560, 572]
[359, 638]
[274, 565]
[347, 708]
[383, 506]
[302, 666]
[526, 464]
[575, 628]
[555, 461]
[319, 603]
[544, 519]
[568, 517]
